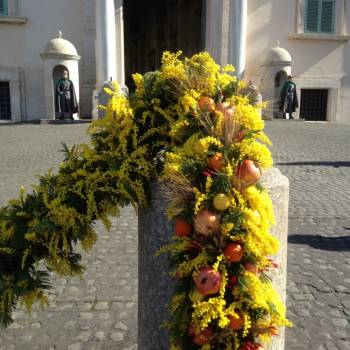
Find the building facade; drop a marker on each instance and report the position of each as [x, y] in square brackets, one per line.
[110, 39]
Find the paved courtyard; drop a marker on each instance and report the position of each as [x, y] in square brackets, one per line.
[99, 311]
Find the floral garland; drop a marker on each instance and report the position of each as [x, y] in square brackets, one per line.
[222, 247]
[191, 125]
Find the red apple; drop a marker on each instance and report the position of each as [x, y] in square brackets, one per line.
[182, 227]
[207, 281]
[206, 222]
[206, 103]
[248, 172]
[234, 252]
[200, 338]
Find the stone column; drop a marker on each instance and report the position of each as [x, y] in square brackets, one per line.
[238, 33]
[119, 23]
[106, 60]
[217, 29]
[105, 50]
[156, 287]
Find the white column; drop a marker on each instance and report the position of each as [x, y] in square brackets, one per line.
[105, 52]
[238, 33]
[119, 22]
[106, 61]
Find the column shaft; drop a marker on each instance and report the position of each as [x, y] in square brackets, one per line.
[119, 22]
[238, 33]
[106, 62]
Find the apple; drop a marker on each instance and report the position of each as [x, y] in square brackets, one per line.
[206, 103]
[207, 281]
[206, 222]
[200, 338]
[236, 323]
[182, 228]
[234, 252]
[217, 161]
[248, 172]
[221, 202]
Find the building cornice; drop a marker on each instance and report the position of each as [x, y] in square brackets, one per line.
[48, 55]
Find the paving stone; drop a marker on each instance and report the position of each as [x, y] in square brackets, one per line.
[99, 335]
[75, 346]
[102, 305]
[340, 322]
[84, 336]
[120, 325]
[117, 336]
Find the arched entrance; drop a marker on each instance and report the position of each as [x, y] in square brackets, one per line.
[59, 54]
[276, 66]
[151, 27]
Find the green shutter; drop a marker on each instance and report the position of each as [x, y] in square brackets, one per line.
[319, 16]
[3, 8]
[311, 15]
[327, 16]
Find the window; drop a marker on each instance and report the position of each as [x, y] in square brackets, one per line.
[313, 104]
[319, 16]
[5, 101]
[3, 8]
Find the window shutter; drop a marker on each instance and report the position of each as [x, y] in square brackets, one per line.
[327, 16]
[319, 16]
[311, 13]
[3, 7]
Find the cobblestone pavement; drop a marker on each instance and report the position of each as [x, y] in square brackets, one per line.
[316, 159]
[99, 311]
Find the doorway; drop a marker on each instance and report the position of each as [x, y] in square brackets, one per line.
[154, 26]
[313, 104]
[5, 101]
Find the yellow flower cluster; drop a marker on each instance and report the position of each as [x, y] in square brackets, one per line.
[172, 67]
[254, 150]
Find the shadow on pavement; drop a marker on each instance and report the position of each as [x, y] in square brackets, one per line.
[340, 243]
[334, 164]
